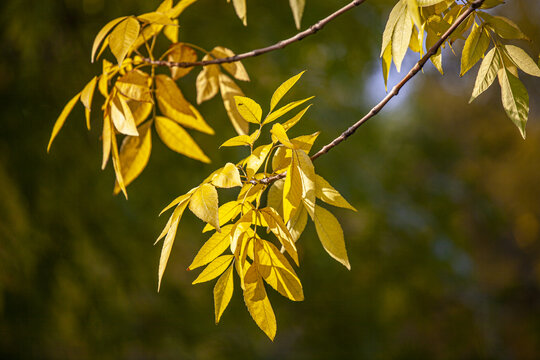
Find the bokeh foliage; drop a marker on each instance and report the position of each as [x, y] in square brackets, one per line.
[445, 249]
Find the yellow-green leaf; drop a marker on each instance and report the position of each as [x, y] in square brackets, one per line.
[169, 240]
[487, 73]
[204, 204]
[123, 37]
[134, 155]
[178, 139]
[223, 291]
[307, 177]
[229, 90]
[178, 200]
[515, 99]
[386, 64]
[62, 119]
[249, 109]
[329, 195]
[393, 18]
[285, 109]
[283, 89]
[102, 33]
[503, 27]
[522, 60]
[331, 235]
[228, 177]
[401, 38]
[214, 269]
[297, 7]
[474, 49]
[305, 142]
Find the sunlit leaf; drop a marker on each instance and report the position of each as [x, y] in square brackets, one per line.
[522, 60]
[283, 89]
[181, 52]
[178, 139]
[249, 109]
[235, 68]
[401, 38]
[515, 99]
[285, 109]
[229, 90]
[87, 95]
[331, 235]
[474, 49]
[228, 177]
[207, 82]
[204, 204]
[329, 195]
[487, 73]
[297, 7]
[123, 37]
[223, 291]
[62, 119]
[214, 269]
[102, 33]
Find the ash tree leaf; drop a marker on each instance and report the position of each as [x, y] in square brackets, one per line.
[122, 116]
[178, 139]
[292, 189]
[240, 140]
[258, 304]
[171, 32]
[279, 133]
[487, 73]
[515, 99]
[307, 178]
[279, 229]
[393, 18]
[226, 213]
[214, 269]
[207, 82]
[240, 9]
[135, 85]
[229, 90]
[275, 196]
[522, 60]
[62, 119]
[212, 248]
[256, 159]
[235, 68]
[283, 89]
[287, 125]
[123, 37]
[181, 52]
[228, 177]
[102, 33]
[249, 109]
[204, 204]
[169, 239]
[329, 195]
[503, 27]
[475, 46]
[297, 223]
[87, 95]
[106, 136]
[285, 109]
[171, 101]
[117, 165]
[401, 37]
[223, 291]
[297, 7]
[331, 235]
[155, 17]
[134, 155]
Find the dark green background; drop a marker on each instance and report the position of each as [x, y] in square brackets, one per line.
[445, 247]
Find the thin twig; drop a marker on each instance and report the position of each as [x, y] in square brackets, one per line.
[395, 91]
[280, 45]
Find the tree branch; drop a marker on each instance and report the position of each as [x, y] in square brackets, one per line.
[395, 91]
[280, 45]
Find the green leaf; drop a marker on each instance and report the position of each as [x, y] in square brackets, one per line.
[522, 60]
[515, 99]
[474, 49]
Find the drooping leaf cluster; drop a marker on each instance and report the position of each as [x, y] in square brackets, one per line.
[263, 206]
[415, 23]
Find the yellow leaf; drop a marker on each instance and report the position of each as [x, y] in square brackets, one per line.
[223, 291]
[281, 159]
[236, 68]
[258, 304]
[102, 33]
[62, 119]
[134, 155]
[279, 133]
[179, 8]
[103, 83]
[87, 95]
[229, 90]
[240, 228]
[256, 159]
[213, 247]
[106, 139]
[393, 18]
[292, 189]
[170, 99]
[298, 222]
[181, 52]
[140, 110]
[331, 235]
[277, 272]
[275, 196]
[171, 32]
[522, 60]
[401, 38]
[487, 73]
[177, 139]
[207, 82]
[278, 228]
[285, 109]
[195, 121]
[214, 269]
[240, 9]
[250, 193]
[169, 240]
[155, 17]
[283, 89]
[135, 85]
[204, 204]
[122, 117]
[117, 165]
[178, 200]
[227, 212]
[307, 177]
[412, 8]
[290, 123]
[329, 195]
[515, 99]
[249, 109]
[386, 64]
[240, 140]
[305, 142]
[228, 177]
[474, 49]
[123, 37]
[297, 7]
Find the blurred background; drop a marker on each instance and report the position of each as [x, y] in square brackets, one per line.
[445, 247]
